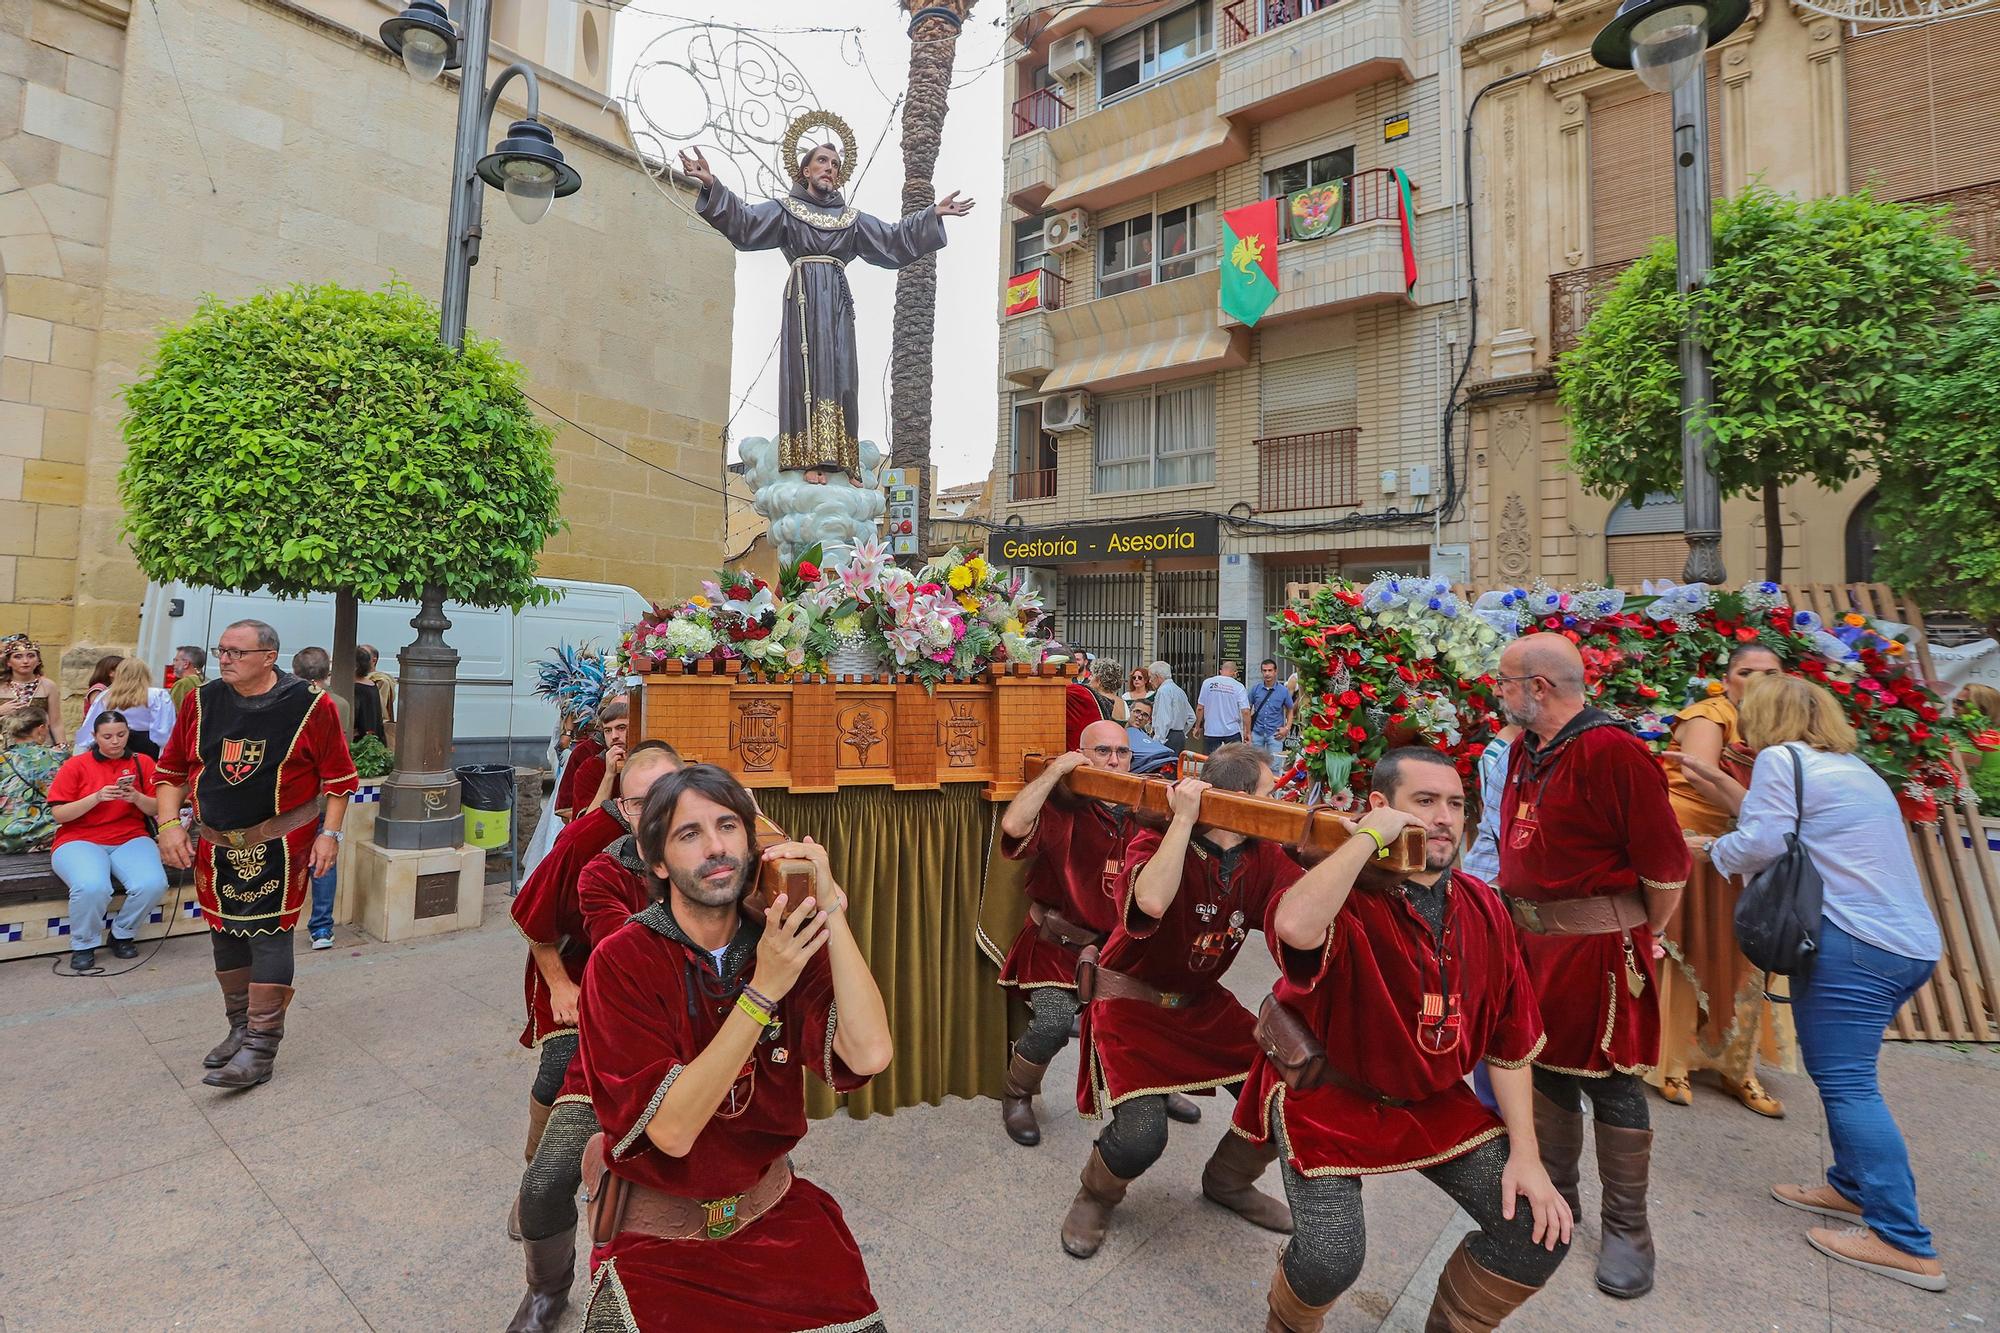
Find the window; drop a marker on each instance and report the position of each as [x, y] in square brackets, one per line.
[1282, 182]
[1030, 250]
[1647, 542]
[1162, 437]
[1032, 474]
[1141, 251]
[1921, 105]
[1155, 50]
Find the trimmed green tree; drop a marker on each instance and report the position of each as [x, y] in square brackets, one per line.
[1938, 512]
[1813, 311]
[321, 439]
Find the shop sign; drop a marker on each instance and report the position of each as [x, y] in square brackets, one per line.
[1138, 539]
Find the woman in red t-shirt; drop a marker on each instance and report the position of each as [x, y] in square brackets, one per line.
[101, 800]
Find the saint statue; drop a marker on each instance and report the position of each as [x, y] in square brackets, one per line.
[819, 373]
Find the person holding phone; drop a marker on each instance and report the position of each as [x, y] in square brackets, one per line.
[101, 800]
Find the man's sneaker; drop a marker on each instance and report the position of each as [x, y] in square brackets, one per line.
[1822, 1199]
[1862, 1248]
[322, 941]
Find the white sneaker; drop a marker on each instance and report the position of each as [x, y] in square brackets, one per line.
[322, 941]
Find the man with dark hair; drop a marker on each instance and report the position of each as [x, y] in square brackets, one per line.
[1592, 863]
[368, 709]
[1270, 711]
[1157, 1018]
[565, 917]
[1406, 984]
[314, 666]
[1077, 848]
[189, 664]
[586, 778]
[257, 752]
[703, 1017]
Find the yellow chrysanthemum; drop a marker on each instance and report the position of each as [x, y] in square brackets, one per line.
[969, 602]
[978, 567]
[960, 578]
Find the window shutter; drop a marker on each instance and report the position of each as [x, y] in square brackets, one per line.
[1921, 106]
[1633, 560]
[1632, 168]
[1310, 393]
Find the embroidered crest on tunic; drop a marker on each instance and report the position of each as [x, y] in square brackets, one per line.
[241, 759]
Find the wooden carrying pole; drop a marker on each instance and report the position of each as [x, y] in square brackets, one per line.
[1314, 831]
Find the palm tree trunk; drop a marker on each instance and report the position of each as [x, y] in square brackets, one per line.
[1774, 533]
[933, 50]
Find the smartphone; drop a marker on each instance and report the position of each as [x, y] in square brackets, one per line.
[128, 780]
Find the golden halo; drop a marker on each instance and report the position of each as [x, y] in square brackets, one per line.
[788, 147]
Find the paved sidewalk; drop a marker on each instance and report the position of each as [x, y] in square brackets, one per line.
[366, 1186]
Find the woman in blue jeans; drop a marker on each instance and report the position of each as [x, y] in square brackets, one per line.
[100, 800]
[1878, 944]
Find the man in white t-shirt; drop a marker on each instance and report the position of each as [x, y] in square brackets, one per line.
[1222, 710]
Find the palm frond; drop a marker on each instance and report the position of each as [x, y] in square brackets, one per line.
[573, 679]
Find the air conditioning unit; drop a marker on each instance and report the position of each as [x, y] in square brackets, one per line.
[1066, 411]
[1065, 231]
[1072, 57]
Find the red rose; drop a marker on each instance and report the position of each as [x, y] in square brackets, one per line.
[1352, 658]
[1349, 699]
[741, 592]
[1357, 734]
[1407, 674]
[1842, 687]
[1927, 712]
[1746, 635]
[1648, 692]
[809, 571]
[1986, 740]
[1919, 732]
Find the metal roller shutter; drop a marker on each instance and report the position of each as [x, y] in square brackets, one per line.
[1922, 106]
[1309, 393]
[1632, 168]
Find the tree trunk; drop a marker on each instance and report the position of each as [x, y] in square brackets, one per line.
[1774, 533]
[346, 616]
[933, 50]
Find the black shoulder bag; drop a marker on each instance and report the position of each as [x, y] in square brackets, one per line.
[1778, 912]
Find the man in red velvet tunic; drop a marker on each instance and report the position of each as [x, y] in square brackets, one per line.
[1157, 1018]
[1407, 985]
[1077, 848]
[254, 752]
[1591, 863]
[552, 911]
[586, 777]
[700, 1021]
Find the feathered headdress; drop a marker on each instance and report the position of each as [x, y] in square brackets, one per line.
[574, 680]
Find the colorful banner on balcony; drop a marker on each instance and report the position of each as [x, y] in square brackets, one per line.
[1405, 214]
[1025, 292]
[1316, 210]
[1250, 260]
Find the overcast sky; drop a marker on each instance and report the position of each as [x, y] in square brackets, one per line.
[860, 82]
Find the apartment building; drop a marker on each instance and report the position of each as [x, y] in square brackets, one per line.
[1163, 469]
[1574, 178]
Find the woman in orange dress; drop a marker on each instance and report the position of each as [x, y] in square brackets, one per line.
[1713, 1011]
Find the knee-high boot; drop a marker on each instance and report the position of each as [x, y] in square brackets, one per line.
[235, 985]
[538, 1120]
[1471, 1298]
[1289, 1314]
[551, 1270]
[1625, 1258]
[1017, 1099]
[1090, 1212]
[1559, 1135]
[252, 1063]
[1230, 1179]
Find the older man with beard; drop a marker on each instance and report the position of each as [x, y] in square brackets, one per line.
[700, 1020]
[1592, 863]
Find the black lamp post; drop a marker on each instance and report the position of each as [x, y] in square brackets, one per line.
[420, 801]
[1666, 42]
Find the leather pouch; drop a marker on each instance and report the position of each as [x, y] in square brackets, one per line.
[1086, 975]
[1289, 1044]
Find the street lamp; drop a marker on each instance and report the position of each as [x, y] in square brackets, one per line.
[1665, 42]
[420, 806]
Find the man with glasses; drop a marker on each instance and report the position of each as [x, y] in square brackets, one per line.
[1076, 846]
[1592, 863]
[257, 751]
[570, 905]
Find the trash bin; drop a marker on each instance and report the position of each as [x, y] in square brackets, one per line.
[486, 797]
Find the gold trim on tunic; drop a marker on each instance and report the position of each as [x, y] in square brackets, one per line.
[825, 443]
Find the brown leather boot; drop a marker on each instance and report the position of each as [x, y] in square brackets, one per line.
[551, 1269]
[235, 985]
[1625, 1257]
[1090, 1212]
[1017, 1104]
[1230, 1179]
[1559, 1135]
[1289, 1314]
[538, 1120]
[1182, 1110]
[251, 1064]
[1472, 1299]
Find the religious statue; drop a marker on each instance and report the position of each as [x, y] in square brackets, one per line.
[819, 374]
[837, 513]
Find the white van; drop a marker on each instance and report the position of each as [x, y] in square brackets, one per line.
[497, 716]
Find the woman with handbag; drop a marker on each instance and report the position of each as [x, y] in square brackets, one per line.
[1713, 1014]
[1877, 945]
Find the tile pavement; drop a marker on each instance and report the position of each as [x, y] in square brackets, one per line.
[365, 1186]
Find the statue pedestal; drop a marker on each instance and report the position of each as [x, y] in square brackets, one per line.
[404, 894]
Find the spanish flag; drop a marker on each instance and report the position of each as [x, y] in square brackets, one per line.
[1025, 293]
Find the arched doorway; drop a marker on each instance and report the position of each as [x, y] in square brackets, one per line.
[1862, 540]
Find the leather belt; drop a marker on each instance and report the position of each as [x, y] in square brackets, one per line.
[275, 827]
[1580, 916]
[1331, 1077]
[1101, 983]
[1056, 928]
[619, 1205]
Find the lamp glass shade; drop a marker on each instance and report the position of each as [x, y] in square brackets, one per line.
[530, 199]
[1667, 46]
[424, 54]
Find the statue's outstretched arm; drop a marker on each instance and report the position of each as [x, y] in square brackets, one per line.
[748, 226]
[894, 244]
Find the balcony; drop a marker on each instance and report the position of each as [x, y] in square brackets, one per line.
[1148, 335]
[1573, 297]
[1038, 485]
[1031, 171]
[1030, 21]
[1149, 140]
[1315, 470]
[1279, 55]
[1042, 109]
[1358, 266]
[1027, 343]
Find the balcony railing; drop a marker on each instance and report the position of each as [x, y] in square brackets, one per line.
[1314, 470]
[1573, 297]
[1975, 218]
[1042, 109]
[1054, 293]
[1244, 19]
[1037, 485]
[1366, 196]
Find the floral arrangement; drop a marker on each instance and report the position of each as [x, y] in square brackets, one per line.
[575, 680]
